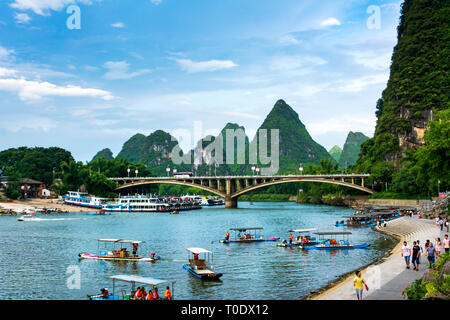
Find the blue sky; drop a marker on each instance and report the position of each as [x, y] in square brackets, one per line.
[142, 65]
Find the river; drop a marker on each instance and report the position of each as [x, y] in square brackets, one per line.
[38, 257]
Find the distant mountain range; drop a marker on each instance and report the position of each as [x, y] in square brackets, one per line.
[296, 147]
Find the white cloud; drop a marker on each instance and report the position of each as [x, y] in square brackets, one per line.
[343, 124]
[156, 2]
[120, 70]
[358, 84]
[35, 90]
[375, 60]
[90, 68]
[42, 7]
[22, 18]
[5, 53]
[289, 40]
[27, 122]
[7, 72]
[118, 25]
[204, 66]
[330, 22]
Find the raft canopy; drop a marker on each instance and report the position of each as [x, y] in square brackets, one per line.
[302, 230]
[119, 241]
[137, 279]
[198, 250]
[329, 233]
[245, 229]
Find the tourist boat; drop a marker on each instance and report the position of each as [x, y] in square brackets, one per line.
[329, 243]
[83, 199]
[25, 218]
[175, 212]
[303, 238]
[152, 282]
[360, 220]
[137, 203]
[246, 237]
[116, 250]
[201, 268]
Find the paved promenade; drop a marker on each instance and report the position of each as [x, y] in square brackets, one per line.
[387, 279]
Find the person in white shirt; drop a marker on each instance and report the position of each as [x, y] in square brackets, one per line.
[446, 243]
[406, 253]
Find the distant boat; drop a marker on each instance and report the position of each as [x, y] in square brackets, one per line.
[333, 244]
[83, 199]
[117, 251]
[303, 239]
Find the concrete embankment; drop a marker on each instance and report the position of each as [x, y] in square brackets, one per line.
[386, 277]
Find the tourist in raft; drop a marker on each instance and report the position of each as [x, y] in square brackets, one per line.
[227, 236]
[406, 253]
[167, 294]
[291, 237]
[149, 295]
[431, 251]
[415, 256]
[446, 243]
[359, 284]
[135, 247]
[155, 294]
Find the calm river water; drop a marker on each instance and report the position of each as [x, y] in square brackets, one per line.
[36, 255]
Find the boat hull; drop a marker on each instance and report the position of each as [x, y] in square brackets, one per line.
[300, 244]
[358, 246]
[208, 276]
[106, 258]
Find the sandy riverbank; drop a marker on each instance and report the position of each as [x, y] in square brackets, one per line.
[380, 272]
[19, 206]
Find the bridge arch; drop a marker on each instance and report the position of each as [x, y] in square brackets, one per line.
[182, 183]
[271, 183]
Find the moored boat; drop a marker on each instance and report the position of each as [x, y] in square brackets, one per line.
[83, 199]
[328, 242]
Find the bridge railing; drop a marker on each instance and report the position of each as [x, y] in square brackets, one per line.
[351, 175]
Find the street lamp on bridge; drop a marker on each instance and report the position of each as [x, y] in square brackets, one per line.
[167, 170]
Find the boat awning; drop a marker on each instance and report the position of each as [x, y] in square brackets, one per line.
[130, 241]
[198, 250]
[137, 279]
[332, 233]
[245, 229]
[302, 230]
[109, 240]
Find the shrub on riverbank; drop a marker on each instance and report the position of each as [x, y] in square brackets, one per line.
[435, 284]
[395, 195]
[265, 197]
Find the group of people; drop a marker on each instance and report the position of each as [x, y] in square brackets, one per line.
[432, 251]
[141, 294]
[442, 223]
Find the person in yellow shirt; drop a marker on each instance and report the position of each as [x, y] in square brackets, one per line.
[358, 283]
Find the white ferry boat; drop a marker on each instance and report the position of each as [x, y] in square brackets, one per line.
[137, 204]
[83, 199]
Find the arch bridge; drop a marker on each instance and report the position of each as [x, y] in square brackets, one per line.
[231, 187]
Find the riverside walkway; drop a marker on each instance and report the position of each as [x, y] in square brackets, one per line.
[387, 280]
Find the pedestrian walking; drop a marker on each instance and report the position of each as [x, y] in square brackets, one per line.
[441, 224]
[446, 223]
[431, 251]
[359, 284]
[406, 253]
[446, 243]
[415, 256]
[438, 248]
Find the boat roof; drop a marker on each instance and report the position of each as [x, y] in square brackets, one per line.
[333, 233]
[245, 229]
[198, 250]
[302, 230]
[119, 240]
[138, 279]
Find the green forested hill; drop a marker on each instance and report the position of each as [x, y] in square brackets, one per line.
[295, 143]
[418, 88]
[335, 152]
[131, 149]
[105, 153]
[351, 149]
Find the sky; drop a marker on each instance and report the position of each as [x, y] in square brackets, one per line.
[88, 74]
